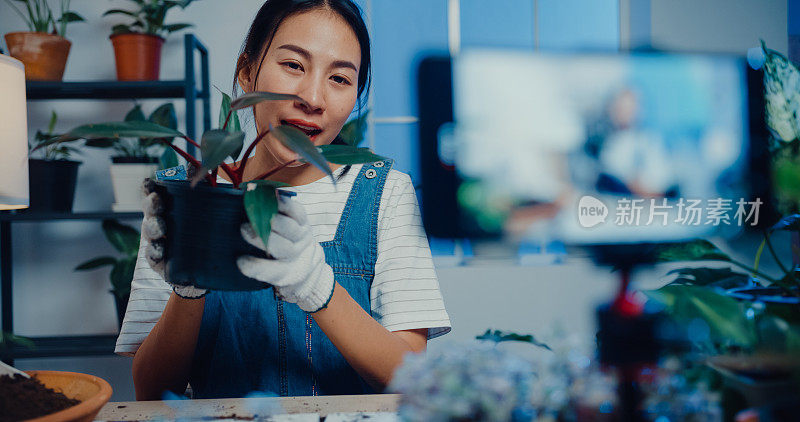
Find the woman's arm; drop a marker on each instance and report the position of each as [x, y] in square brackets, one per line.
[372, 350]
[164, 359]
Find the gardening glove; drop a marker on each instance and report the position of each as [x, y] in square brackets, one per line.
[297, 270]
[154, 232]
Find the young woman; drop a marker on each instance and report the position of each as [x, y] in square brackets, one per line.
[354, 285]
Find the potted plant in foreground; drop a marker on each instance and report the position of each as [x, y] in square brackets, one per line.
[133, 160]
[752, 317]
[53, 176]
[203, 218]
[137, 45]
[125, 239]
[44, 49]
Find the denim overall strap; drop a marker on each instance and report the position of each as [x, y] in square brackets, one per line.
[347, 252]
[252, 340]
[351, 254]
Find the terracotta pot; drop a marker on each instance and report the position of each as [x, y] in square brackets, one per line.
[93, 392]
[44, 55]
[138, 56]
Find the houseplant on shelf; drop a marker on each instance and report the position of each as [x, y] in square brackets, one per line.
[137, 45]
[200, 215]
[44, 49]
[138, 158]
[125, 239]
[53, 176]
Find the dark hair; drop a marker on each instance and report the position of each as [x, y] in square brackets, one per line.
[274, 12]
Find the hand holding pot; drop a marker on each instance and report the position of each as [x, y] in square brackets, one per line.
[154, 232]
[298, 271]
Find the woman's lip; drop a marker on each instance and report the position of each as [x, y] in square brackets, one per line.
[300, 122]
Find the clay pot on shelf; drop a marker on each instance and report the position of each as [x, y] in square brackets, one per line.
[138, 56]
[44, 55]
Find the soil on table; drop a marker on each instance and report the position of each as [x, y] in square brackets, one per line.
[26, 398]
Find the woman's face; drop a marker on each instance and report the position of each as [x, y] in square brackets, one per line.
[316, 56]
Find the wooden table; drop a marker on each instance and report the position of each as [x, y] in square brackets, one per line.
[246, 408]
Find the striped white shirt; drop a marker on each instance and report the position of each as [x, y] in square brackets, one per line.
[405, 292]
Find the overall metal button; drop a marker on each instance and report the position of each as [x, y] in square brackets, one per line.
[370, 173]
[378, 164]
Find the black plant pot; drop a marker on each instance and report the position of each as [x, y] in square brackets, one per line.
[52, 184]
[121, 304]
[204, 237]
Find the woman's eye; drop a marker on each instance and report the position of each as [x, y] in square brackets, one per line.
[293, 65]
[340, 80]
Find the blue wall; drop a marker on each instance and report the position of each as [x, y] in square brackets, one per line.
[404, 31]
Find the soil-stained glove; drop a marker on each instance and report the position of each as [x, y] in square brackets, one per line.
[154, 232]
[298, 271]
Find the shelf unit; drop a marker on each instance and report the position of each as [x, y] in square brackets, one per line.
[187, 89]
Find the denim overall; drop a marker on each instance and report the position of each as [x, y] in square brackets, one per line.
[252, 341]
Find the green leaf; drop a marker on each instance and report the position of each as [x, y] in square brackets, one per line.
[176, 27]
[118, 130]
[165, 116]
[120, 12]
[723, 278]
[168, 159]
[122, 275]
[297, 141]
[696, 250]
[233, 125]
[778, 335]
[353, 131]
[217, 145]
[724, 315]
[124, 238]
[96, 263]
[345, 154]
[52, 125]
[498, 336]
[68, 17]
[135, 115]
[253, 98]
[9, 338]
[100, 143]
[261, 203]
[121, 29]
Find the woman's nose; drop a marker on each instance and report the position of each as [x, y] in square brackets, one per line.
[314, 96]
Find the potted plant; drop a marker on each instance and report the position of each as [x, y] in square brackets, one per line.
[44, 49]
[125, 239]
[53, 176]
[135, 159]
[137, 45]
[203, 218]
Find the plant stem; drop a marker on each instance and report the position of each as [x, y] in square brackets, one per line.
[185, 155]
[786, 288]
[235, 178]
[22, 15]
[273, 171]
[247, 152]
[227, 118]
[189, 140]
[775, 256]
